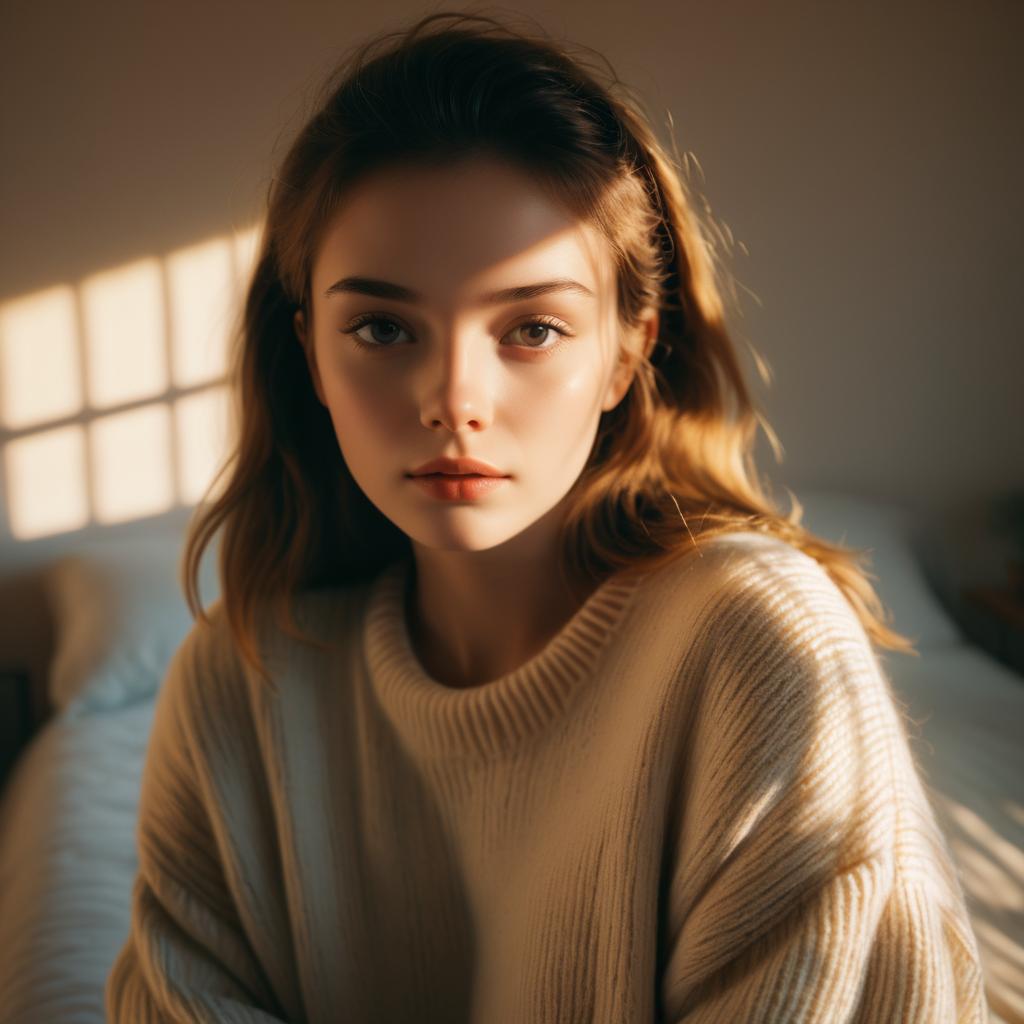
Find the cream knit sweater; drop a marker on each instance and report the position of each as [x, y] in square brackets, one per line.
[697, 803]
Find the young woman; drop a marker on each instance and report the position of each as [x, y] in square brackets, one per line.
[521, 701]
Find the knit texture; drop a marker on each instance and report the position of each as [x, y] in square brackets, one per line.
[697, 803]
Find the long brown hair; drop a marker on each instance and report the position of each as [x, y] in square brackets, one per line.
[672, 463]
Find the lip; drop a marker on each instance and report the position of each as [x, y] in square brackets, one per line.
[456, 467]
[457, 487]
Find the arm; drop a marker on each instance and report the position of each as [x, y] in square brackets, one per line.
[807, 880]
[187, 956]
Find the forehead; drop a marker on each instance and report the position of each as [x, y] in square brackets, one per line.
[450, 231]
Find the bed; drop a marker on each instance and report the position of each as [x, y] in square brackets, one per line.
[67, 809]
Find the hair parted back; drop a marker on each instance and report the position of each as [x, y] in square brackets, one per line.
[672, 464]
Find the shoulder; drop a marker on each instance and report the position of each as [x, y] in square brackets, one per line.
[781, 605]
[208, 668]
[317, 612]
[784, 685]
[204, 676]
[775, 653]
[326, 609]
[752, 582]
[750, 588]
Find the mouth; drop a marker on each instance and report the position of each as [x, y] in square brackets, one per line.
[460, 466]
[437, 475]
[458, 487]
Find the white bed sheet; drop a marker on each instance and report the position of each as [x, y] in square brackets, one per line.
[967, 735]
[67, 861]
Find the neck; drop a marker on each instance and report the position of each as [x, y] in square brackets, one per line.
[470, 627]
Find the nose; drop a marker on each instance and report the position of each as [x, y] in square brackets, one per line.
[458, 395]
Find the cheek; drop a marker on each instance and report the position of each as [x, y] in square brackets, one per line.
[363, 407]
[561, 405]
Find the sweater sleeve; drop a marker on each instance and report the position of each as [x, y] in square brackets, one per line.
[807, 880]
[187, 956]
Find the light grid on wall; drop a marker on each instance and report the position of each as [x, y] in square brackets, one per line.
[113, 401]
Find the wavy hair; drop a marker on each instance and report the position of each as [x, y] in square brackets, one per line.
[672, 463]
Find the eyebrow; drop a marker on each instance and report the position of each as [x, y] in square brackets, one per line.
[399, 293]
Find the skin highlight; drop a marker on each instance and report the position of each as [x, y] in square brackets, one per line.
[455, 375]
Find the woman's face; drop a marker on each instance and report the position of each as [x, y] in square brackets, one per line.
[415, 358]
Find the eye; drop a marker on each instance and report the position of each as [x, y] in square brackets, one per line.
[387, 341]
[386, 338]
[547, 325]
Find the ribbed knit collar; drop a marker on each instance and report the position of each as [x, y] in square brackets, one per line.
[438, 720]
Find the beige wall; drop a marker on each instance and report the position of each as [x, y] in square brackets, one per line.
[868, 157]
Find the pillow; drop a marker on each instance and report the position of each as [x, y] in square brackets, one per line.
[888, 531]
[120, 615]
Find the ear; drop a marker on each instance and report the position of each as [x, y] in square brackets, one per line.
[307, 347]
[626, 369]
